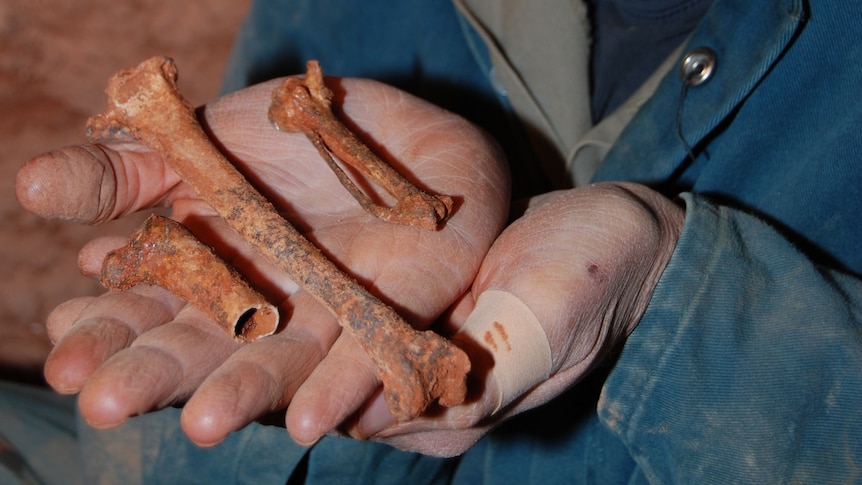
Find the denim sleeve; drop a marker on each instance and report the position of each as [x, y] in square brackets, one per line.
[38, 437]
[747, 366]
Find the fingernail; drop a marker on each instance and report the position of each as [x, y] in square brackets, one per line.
[376, 417]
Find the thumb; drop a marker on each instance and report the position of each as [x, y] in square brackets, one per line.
[91, 184]
[85, 192]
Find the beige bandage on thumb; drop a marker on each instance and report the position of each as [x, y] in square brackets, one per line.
[504, 326]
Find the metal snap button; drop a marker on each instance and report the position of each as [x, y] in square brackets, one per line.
[697, 66]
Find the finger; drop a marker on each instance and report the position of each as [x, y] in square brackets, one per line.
[61, 318]
[91, 256]
[85, 192]
[102, 328]
[93, 183]
[334, 391]
[441, 432]
[375, 421]
[162, 367]
[261, 377]
[257, 380]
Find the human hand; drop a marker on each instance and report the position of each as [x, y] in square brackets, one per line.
[584, 262]
[131, 352]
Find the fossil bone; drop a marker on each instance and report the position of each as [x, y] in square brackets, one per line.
[415, 367]
[162, 252]
[304, 105]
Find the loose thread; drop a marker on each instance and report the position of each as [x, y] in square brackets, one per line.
[682, 94]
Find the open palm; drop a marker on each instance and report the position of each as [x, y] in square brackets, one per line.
[135, 351]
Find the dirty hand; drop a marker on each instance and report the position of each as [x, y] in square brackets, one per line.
[563, 285]
[131, 352]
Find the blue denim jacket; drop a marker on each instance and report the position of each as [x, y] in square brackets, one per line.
[747, 366]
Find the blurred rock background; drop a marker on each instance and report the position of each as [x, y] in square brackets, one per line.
[55, 59]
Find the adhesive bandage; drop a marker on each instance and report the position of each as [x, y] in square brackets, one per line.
[504, 326]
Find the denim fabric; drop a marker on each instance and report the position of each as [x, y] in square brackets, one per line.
[417, 45]
[561, 442]
[776, 129]
[152, 449]
[344, 461]
[38, 437]
[746, 365]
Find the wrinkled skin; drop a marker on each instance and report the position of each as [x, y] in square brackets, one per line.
[585, 261]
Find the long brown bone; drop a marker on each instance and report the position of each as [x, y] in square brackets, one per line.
[162, 252]
[304, 105]
[415, 367]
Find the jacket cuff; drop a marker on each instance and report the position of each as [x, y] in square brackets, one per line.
[745, 365]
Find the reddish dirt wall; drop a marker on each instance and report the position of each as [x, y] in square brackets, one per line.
[55, 59]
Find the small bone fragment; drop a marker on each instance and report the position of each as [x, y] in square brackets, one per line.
[162, 252]
[304, 105]
[416, 368]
